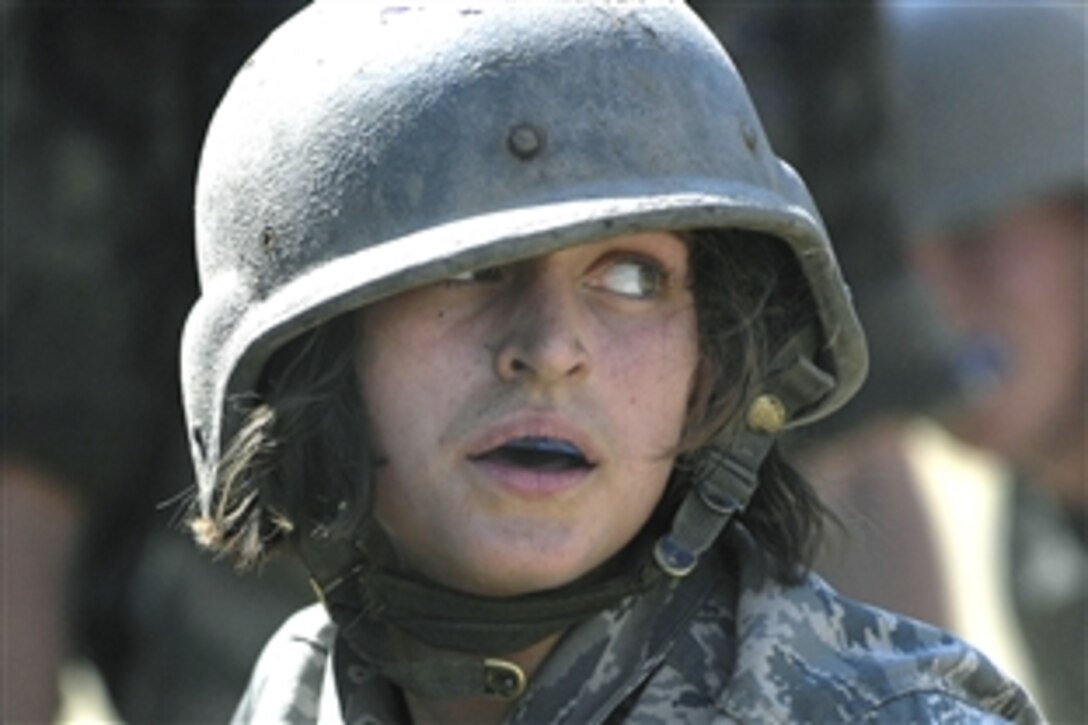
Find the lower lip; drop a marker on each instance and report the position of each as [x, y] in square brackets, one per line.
[534, 484]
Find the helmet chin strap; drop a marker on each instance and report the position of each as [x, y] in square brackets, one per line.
[453, 639]
[727, 473]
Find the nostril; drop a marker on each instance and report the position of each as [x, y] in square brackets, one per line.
[511, 362]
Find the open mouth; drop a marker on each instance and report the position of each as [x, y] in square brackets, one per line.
[540, 454]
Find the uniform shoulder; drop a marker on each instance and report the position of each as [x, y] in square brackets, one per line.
[806, 652]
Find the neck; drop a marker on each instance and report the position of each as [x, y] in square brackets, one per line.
[480, 709]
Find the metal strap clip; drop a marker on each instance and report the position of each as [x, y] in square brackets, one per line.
[503, 679]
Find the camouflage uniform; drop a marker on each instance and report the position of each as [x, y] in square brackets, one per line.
[709, 647]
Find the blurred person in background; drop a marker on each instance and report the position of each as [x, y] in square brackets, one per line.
[818, 72]
[993, 172]
[103, 110]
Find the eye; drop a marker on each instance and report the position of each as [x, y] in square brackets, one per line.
[478, 276]
[634, 278]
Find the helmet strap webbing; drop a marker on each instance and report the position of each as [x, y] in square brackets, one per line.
[481, 625]
[723, 484]
[727, 473]
[426, 672]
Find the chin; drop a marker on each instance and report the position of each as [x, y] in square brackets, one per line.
[515, 576]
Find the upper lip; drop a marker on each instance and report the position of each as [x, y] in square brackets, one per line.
[534, 425]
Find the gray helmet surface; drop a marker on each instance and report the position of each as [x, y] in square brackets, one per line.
[365, 150]
[993, 106]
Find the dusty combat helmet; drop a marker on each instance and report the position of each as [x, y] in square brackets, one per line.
[364, 150]
[1017, 133]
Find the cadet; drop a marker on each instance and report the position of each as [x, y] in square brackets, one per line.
[503, 307]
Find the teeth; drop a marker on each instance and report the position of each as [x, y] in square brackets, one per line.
[549, 454]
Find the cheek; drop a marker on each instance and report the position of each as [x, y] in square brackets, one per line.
[653, 374]
[410, 393]
[388, 358]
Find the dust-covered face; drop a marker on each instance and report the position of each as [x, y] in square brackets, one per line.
[525, 416]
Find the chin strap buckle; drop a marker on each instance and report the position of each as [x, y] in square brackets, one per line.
[503, 679]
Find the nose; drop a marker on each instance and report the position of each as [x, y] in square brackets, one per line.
[543, 333]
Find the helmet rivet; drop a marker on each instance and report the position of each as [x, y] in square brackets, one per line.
[268, 237]
[766, 414]
[525, 141]
[748, 133]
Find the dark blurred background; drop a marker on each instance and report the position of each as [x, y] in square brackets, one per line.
[104, 108]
